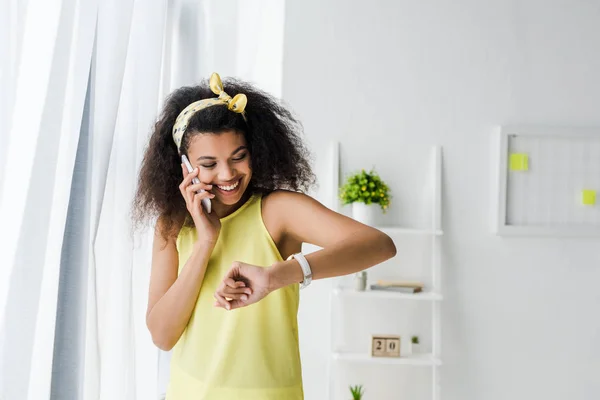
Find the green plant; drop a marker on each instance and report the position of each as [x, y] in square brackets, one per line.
[357, 392]
[366, 187]
[415, 340]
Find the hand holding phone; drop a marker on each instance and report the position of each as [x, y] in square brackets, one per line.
[205, 202]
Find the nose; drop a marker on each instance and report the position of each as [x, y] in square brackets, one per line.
[227, 173]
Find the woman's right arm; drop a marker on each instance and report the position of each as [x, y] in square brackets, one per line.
[172, 299]
[172, 296]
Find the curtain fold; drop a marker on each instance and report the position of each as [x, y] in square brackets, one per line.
[69, 339]
[12, 23]
[121, 271]
[64, 110]
[108, 65]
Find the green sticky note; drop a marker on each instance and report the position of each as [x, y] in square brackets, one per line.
[519, 162]
[588, 197]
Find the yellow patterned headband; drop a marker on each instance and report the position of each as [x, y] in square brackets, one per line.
[236, 104]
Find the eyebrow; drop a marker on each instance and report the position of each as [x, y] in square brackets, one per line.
[214, 158]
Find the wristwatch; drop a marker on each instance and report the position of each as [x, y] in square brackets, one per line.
[305, 269]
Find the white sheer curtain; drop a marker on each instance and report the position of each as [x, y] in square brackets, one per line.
[121, 361]
[242, 38]
[111, 51]
[82, 81]
[50, 75]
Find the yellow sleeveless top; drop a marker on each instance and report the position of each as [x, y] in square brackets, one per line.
[250, 353]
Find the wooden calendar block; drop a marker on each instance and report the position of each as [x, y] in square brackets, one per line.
[385, 346]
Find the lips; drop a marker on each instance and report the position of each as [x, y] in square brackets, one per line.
[229, 189]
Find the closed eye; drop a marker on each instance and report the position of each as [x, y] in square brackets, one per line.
[240, 158]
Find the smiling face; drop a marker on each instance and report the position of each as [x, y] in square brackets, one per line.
[224, 162]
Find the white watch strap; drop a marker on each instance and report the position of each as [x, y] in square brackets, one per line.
[305, 266]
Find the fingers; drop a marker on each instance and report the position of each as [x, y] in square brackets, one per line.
[186, 182]
[184, 170]
[235, 272]
[240, 293]
[188, 176]
[203, 195]
[233, 284]
[190, 190]
[221, 302]
[231, 292]
[235, 288]
[232, 288]
[199, 186]
[195, 196]
[237, 304]
[235, 296]
[197, 202]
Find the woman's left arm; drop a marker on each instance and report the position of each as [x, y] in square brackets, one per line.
[347, 246]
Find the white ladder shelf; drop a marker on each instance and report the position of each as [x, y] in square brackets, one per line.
[433, 295]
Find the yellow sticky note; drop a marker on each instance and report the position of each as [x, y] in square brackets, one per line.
[519, 162]
[588, 197]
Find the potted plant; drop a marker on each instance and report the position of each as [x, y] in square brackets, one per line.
[367, 193]
[357, 392]
[415, 345]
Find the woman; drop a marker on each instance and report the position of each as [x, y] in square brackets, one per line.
[224, 286]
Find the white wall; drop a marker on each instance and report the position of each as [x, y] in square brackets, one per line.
[392, 78]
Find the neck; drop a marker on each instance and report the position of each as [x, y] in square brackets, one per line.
[223, 210]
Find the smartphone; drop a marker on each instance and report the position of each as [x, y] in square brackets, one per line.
[195, 181]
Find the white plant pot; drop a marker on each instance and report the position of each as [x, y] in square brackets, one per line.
[415, 348]
[366, 214]
[360, 280]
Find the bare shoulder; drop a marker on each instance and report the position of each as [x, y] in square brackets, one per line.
[282, 200]
[276, 207]
[275, 204]
[281, 203]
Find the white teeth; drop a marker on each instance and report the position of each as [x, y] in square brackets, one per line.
[228, 188]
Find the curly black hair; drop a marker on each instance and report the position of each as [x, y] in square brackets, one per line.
[279, 158]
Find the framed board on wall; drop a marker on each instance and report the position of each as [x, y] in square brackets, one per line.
[548, 181]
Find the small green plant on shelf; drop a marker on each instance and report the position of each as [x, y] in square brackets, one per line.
[357, 392]
[366, 187]
[415, 346]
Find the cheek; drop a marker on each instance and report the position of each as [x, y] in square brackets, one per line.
[206, 176]
[248, 168]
